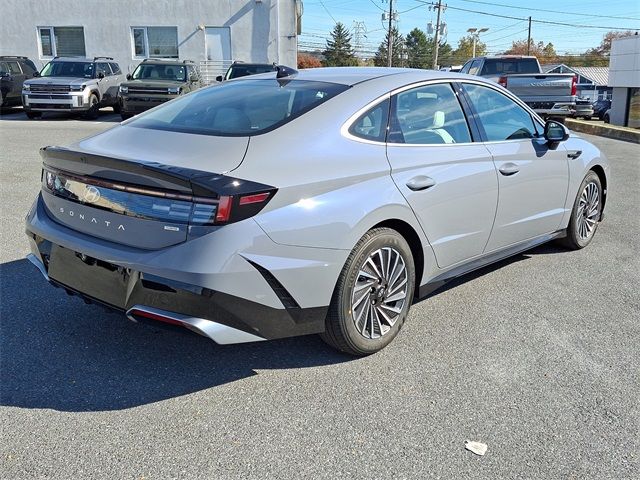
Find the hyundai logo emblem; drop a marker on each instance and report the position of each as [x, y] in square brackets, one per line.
[91, 194]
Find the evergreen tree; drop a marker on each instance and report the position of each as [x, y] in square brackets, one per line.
[419, 49]
[339, 52]
[380, 59]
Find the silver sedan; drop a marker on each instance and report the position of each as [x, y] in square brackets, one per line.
[322, 201]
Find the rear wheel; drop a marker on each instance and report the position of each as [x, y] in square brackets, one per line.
[586, 213]
[125, 116]
[373, 294]
[94, 109]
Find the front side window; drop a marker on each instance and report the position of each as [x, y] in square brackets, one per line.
[14, 68]
[62, 41]
[238, 71]
[474, 67]
[428, 115]
[68, 69]
[102, 68]
[245, 108]
[115, 68]
[500, 117]
[372, 125]
[155, 42]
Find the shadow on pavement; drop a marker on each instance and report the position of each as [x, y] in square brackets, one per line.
[56, 352]
[17, 115]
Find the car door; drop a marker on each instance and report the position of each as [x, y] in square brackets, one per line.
[17, 78]
[104, 84]
[533, 177]
[449, 180]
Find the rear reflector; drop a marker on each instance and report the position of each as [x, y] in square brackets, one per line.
[154, 316]
[257, 198]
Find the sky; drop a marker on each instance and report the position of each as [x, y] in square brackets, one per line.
[320, 17]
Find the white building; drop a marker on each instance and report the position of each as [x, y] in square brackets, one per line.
[624, 77]
[213, 33]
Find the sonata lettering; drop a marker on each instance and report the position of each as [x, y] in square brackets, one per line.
[81, 216]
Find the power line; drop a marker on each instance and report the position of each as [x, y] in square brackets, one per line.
[548, 11]
[328, 12]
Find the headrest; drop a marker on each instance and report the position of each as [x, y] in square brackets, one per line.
[438, 119]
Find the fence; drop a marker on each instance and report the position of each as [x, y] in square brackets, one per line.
[210, 69]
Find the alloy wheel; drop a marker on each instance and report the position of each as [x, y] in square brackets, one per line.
[380, 292]
[588, 210]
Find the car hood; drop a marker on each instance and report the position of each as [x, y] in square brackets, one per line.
[200, 152]
[58, 81]
[152, 83]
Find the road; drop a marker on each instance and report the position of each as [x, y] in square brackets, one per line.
[537, 357]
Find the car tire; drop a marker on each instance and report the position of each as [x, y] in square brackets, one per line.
[586, 213]
[116, 107]
[94, 108]
[33, 115]
[125, 116]
[371, 302]
[606, 118]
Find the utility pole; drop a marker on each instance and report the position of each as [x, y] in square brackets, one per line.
[390, 40]
[529, 38]
[437, 36]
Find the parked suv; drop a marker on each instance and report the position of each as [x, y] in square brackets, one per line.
[601, 107]
[156, 81]
[241, 69]
[13, 72]
[73, 84]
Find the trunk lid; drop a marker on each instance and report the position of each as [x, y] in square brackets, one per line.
[541, 85]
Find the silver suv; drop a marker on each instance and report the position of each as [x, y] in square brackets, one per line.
[73, 85]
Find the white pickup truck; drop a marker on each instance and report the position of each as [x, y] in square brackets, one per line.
[549, 94]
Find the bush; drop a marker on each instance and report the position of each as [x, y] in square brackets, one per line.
[308, 61]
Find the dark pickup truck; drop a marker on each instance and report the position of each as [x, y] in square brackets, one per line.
[549, 94]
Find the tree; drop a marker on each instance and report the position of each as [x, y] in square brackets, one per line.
[308, 61]
[544, 53]
[339, 52]
[381, 56]
[418, 49]
[599, 56]
[464, 51]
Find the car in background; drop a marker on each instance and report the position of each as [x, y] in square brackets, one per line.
[73, 84]
[240, 69]
[548, 94]
[583, 109]
[155, 81]
[324, 201]
[14, 70]
[600, 107]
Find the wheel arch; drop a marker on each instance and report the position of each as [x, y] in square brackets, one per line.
[598, 170]
[413, 239]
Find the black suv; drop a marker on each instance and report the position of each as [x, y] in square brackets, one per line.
[156, 81]
[601, 107]
[241, 69]
[13, 72]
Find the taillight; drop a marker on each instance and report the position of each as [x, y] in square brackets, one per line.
[503, 81]
[574, 87]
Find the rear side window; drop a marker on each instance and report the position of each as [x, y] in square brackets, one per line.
[372, 125]
[500, 117]
[499, 66]
[14, 68]
[245, 108]
[428, 115]
[474, 67]
[115, 68]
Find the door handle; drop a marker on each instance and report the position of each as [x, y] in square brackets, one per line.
[508, 169]
[421, 182]
[574, 154]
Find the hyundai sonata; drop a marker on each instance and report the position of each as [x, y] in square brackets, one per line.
[323, 201]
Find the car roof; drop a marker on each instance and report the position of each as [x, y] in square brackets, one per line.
[355, 75]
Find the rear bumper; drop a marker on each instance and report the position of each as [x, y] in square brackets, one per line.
[249, 291]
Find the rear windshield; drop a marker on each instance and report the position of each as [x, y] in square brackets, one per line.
[238, 71]
[500, 66]
[240, 108]
[68, 69]
[160, 72]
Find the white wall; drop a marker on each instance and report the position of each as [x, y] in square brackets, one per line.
[261, 31]
[624, 63]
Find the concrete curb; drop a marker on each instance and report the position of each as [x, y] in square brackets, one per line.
[606, 130]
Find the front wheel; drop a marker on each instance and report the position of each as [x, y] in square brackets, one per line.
[586, 213]
[374, 292]
[94, 108]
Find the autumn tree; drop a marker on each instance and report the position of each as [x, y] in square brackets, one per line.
[545, 53]
[381, 56]
[599, 56]
[464, 51]
[308, 61]
[339, 52]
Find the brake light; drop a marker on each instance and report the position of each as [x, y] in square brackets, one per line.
[503, 81]
[223, 212]
[258, 198]
[574, 87]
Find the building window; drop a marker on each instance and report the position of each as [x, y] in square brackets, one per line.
[61, 42]
[154, 42]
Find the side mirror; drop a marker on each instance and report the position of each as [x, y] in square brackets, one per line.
[555, 132]
[129, 77]
[36, 74]
[100, 75]
[219, 78]
[193, 79]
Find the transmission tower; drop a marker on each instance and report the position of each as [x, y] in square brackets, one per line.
[359, 34]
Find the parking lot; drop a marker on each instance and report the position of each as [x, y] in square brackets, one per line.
[536, 356]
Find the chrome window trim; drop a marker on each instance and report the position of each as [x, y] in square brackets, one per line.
[344, 130]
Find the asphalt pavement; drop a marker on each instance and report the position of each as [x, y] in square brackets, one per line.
[537, 357]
